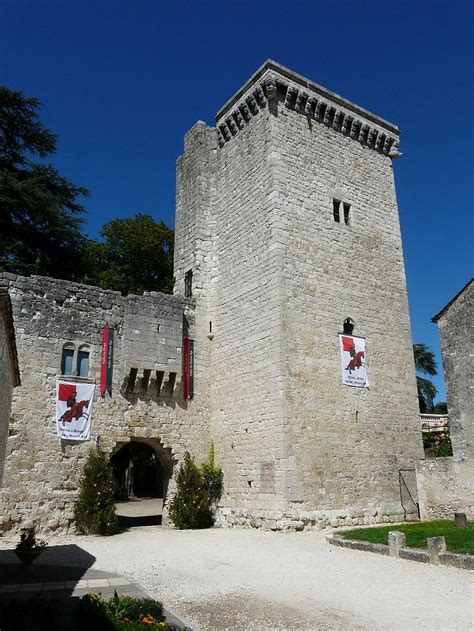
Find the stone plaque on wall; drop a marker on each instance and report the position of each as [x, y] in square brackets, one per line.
[267, 477]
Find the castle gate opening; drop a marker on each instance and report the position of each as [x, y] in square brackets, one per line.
[142, 471]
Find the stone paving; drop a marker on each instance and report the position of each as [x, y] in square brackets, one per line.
[63, 582]
[46, 579]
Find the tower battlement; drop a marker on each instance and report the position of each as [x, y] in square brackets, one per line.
[275, 84]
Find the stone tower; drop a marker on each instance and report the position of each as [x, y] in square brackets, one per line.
[286, 226]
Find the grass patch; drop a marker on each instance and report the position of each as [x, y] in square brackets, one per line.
[458, 540]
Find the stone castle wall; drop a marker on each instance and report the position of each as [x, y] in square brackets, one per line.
[298, 448]
[9, 375]
[348, 443]
[274, 276]
[447, 484]
[42, 471]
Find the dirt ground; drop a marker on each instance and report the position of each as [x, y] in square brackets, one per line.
[256, 580]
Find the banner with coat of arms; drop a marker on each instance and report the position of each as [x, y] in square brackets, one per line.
[353, 360]
[74, 410]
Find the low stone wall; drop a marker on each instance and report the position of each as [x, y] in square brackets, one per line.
[297, 519]
[445, 487]
[435, 553]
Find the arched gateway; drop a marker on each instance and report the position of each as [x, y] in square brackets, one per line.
[142, 471]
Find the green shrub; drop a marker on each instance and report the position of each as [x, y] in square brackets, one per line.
[213, 479]
[199, 490]
[121, 612]
[94, 510]
[437, 444]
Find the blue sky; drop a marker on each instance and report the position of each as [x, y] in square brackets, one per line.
[121, 82]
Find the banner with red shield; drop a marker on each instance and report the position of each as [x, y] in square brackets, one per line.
[353, 361]
[74, 410]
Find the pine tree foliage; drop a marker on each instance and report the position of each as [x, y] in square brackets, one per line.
[94, 510]
[198, 492]
[213, 479]
[39, 212]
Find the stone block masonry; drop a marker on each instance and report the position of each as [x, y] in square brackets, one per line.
[447, 484]
[42, 471]
[298, 448]
[286, 225]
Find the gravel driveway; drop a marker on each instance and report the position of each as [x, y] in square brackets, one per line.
[256, 580]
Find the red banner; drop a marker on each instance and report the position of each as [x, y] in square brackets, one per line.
[186, 364]
[106, 361]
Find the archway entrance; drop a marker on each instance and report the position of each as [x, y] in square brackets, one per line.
[142, 473]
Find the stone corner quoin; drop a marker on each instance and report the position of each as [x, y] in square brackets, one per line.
[286, 228]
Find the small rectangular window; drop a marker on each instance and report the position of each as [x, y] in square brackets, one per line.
[83, 363]
[336, 204]
[347, 214]
[67, 361]
[188, 283]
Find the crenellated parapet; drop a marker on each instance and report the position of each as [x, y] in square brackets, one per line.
[274, 86]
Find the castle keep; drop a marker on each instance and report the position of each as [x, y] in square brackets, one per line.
[287, 235]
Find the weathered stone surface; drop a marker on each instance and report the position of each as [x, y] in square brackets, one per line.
[396, 541]
[446, 485]
[436, 546]
[414, 554]
[277, 276]
[42, 471]
[460, 520]
[9, 373]
[274, 278]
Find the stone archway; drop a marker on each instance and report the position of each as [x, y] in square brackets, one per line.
[142, 470]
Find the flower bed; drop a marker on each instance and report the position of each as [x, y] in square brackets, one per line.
[122, 612]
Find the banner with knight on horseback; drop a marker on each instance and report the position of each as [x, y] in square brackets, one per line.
[74, 410]
[353, 361]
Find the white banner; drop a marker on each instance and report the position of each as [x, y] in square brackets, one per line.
[74, 410]
[353, 359]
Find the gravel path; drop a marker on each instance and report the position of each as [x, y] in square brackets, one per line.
[256, 580]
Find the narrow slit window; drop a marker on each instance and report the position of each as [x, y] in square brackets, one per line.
[347, 214]
[67, 360]
[146, 378]
[336, 205]
[132, 379]
[171, 382]
[83, 363]
[160, 375]
[188, 283]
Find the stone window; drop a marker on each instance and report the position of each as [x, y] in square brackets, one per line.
[347, 214]
[75, 360]
[188, 283]
[348, 326]
[341, 212]
[67, 360]
[83, 362]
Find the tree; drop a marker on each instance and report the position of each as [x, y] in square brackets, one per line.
[199, 490]
[190, 507]
[135, 256]
[425, 363]
[39, 212]
[94, 510]
[440, 407]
